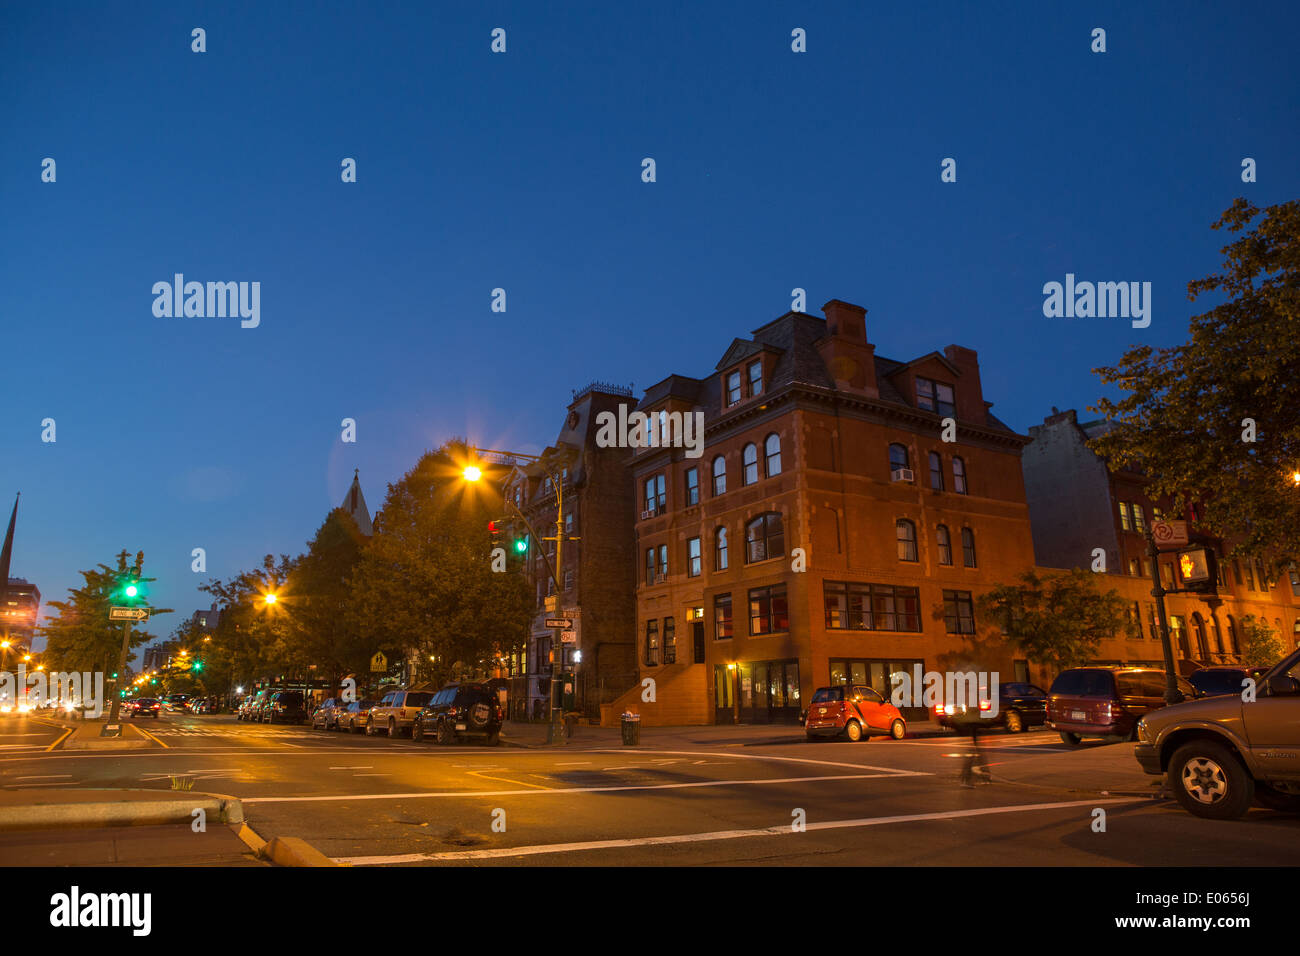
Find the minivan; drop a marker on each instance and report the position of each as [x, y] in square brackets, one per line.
[1106, 702]
[395, 713]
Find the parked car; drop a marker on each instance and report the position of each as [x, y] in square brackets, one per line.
[326, 716]
[1106, 702]
[1213, 681]
[285, 707]
[352, 716]
[395, 713]
[145, 707]
[1220, 753]
[1020, 706]
[175, 702]
[460, 710]
[245, 709]
[257, 712]
[853, 711]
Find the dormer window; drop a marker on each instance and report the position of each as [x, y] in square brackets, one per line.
[733, 388]
[755, 378]
[934, 396]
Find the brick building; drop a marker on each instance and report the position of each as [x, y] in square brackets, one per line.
[827, 532]
[1077, 504]
[596, 575]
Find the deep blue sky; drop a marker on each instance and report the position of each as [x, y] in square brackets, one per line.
[522, 170]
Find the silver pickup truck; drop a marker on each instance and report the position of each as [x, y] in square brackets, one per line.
[1220, 754]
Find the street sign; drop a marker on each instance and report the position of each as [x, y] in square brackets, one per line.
[558, 622]
[128, 613]
[1169, 534]
[568, 637]
[379, 662]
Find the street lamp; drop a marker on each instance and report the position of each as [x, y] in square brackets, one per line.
[472, 473]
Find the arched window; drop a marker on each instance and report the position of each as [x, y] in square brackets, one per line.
[968, 548]
[749, 463]
[764, 537]
[897, 457]
[720, 549]
[945, 545]
[1234, 639]
[958, 475]
[772, 455]
[1202, 645]
[719, 476]
[906, 532]
[936, 471]
[1217, 635]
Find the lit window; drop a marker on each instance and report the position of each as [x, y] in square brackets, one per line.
[906, 532]
[945, 545]
[693, 558]
[764, 538]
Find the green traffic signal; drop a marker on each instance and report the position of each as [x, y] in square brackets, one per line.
[521, 545]
[131, 590]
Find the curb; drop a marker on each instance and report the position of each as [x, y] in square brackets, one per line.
[291, 851]
[114, 813]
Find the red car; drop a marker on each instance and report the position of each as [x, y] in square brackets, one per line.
[853, 711]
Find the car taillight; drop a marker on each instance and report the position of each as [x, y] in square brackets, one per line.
[1106, 711]
[986, 705]
[950, 709]
[451, 711]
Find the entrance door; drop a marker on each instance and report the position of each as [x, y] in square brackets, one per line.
[724, 690]
[697, 639]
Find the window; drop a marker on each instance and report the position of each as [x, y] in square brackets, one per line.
[936, 471]
[656, 497]
[1134, 567]
[1217, 635]
[670, 641]
[720, 549]
[755, 378]
[749, 465]
[1259, 573]
[719, 476]
[1295, 581]
[1234, 639]
[968, 548]
[1250, 574]
[663, 562]
[768, 613]
[897, 457]
[568, 523]
[871, 607]
[945, 545]
[652, 643]
[1139, 519]
[958, 475]
[906, 532]
[733, 388]
[772, 455]
[649, 565]
[1125, 516]
[692, 486]
[934, 396]
[693, 558]
[568, 580]
[1135, 618]
[764, 538]
[958, 612]
[721, 617]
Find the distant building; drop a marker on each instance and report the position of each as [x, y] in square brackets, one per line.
[157, 655]
[208, 620]
[354, 503]
[22, 604]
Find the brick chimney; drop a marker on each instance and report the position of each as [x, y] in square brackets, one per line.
[970, 393]
[849, 357]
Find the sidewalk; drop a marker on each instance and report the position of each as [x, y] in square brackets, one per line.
[172, 844]
[59, 808]
[523, 734]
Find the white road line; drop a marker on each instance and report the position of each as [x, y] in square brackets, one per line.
[779, 830]
[352, 768]
[474, 794]
[44, 776]
[731, 756]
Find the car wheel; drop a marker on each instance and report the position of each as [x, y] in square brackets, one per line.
[493, 738]
[1015, 723]
[1069, 739]
[1208, 781]
[897, 729]
[1274, 799]
[393, 732]
[445, 734]
[417, 730]
[370, 727]
[853, 731]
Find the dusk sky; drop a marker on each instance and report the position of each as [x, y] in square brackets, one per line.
[522, 170]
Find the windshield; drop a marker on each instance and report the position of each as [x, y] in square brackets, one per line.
[827, 694]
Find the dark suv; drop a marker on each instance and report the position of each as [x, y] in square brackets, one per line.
[285, 706]
[460, 710]
[1106, 702]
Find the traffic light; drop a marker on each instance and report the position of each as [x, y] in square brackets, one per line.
[494, 529]
[521, 545]
[197, 665]
[1199, 570]
[130, 590]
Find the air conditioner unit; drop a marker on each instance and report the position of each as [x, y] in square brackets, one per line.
[902, 474]
[647, 514]
[660, 578]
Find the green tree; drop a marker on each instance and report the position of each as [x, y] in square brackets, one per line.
[425, 584]
[82, 638]
[1058, 620]
[319, 595]
[250, 641]
[1184, 420]
[1260, 644]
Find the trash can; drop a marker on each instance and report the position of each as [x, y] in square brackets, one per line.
[631, 729]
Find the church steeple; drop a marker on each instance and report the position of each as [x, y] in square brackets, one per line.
[354, 503]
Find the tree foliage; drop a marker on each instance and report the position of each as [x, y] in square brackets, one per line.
[1260, 645]
[1184, 416]
[1058, 620]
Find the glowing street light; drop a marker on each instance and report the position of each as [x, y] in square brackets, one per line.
[269, 598]
[472, 473]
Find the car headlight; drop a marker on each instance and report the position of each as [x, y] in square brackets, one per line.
[1143, 733]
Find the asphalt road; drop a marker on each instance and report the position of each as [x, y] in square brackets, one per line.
[372, 801]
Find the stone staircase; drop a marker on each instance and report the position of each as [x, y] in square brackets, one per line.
[681, 698]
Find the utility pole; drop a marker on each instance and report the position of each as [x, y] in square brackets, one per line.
[1172, 694]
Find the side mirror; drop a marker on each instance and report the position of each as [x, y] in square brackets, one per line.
[1283, 686]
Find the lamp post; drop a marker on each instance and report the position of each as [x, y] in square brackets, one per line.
[472, 473]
